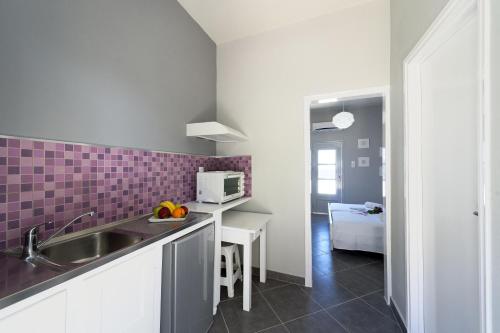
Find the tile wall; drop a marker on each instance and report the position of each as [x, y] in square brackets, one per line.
[45, 181]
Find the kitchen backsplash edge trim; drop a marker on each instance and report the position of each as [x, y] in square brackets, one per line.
[46, 180]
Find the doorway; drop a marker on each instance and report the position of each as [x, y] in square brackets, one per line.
[326, 175]
[443, 175]
[383, 174]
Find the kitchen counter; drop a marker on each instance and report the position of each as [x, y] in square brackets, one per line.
[213, 208]
[20, 279]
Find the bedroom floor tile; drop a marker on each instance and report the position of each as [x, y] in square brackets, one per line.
[290, 302]
[357, 283]
[270, 284]
[377, 301]
[358, 317]
[373, 271]
[275, 329]
[355, 258]
[327, 291]
[260, 317]
[326, 264]
[320, 322]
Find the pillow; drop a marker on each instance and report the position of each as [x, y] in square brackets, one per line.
[371, 205]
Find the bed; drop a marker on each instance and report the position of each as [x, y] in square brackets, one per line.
[351, 228]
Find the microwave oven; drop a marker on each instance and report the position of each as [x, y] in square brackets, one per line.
[219, 186]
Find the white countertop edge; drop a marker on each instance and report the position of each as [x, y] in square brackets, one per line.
[183, 232]
[211, 208]
[250, 221]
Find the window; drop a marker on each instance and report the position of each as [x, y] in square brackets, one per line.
[327, 171]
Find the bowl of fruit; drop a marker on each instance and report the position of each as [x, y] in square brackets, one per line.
[167, 211]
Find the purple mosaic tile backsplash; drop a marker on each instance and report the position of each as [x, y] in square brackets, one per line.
[45, 181]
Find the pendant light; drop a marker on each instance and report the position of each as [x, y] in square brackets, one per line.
[343, 120]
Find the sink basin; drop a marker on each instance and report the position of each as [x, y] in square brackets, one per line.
[88, 247]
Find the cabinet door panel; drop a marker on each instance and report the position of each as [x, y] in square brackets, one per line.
[45, 316]
[121, 299]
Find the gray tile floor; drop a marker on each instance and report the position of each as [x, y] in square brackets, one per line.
[347, 296]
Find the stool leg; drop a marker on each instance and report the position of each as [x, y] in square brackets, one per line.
[223, 280]
[229, 275]
[238, 263]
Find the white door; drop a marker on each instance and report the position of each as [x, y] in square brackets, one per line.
[449, 86]
[326, 175]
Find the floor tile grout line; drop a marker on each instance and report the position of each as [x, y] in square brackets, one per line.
[224, 320]
[365, 276]
[258, 290]
[323, 309]
[374, 308]
[268, 289]
[348, 269]
[353, 267]
[350, 300]
[301, 317]
[354, 299]
[371, 261]
[267, 328]
[338, 322]
[353, 293]
[347, 263]
[271, 307]
[348, 289]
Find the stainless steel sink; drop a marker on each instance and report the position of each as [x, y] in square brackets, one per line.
[89, 247]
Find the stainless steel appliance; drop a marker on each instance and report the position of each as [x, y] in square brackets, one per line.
[187, 283]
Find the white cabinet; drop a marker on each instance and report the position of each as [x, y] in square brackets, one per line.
[120, 298]
[29, 317]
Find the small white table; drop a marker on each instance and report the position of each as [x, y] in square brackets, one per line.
[243, 228]
[216, 210]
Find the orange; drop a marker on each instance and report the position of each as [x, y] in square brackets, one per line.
[178, 213]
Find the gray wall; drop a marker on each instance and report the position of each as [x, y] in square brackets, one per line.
[360, 184]
[409, 21]
[114, 72]
[495, 58]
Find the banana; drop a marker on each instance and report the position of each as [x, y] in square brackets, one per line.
[169, 204]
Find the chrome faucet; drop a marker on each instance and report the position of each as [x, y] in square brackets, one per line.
[31, 243]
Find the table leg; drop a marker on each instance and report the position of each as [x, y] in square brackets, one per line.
[263, 247]
[247, 275]
[217, 254]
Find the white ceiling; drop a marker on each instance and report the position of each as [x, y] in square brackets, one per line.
[226, 20]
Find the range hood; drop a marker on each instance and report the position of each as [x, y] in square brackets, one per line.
[214, 131]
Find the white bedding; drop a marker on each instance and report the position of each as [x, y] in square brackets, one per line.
[351, 229]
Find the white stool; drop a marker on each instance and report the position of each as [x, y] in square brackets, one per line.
[232, 264]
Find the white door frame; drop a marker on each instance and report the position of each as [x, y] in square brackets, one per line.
[363, 93]
[450, 20]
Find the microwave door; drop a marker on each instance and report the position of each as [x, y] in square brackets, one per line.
[231, 186]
